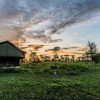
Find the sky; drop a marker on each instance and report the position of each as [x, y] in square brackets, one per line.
[44, 24]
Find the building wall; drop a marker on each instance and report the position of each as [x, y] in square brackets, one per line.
[9, 61]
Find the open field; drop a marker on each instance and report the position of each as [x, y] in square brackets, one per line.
[37, 82]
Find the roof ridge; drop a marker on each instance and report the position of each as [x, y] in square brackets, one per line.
[12, 45]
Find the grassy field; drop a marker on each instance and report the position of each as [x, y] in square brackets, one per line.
[79, 81]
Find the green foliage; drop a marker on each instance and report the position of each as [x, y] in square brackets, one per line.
[33, 85]
[73, 69]
[96, 58]
[70, 92]
[67, 69]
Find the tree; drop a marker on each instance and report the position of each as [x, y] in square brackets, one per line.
[73, 58]
[33, 57]
[67, 59]
[47, 58]
[91, 50]
[56, 49]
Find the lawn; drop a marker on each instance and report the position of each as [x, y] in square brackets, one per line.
[37, 82]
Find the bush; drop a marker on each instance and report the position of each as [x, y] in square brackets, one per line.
[71, 69]
[96, 58]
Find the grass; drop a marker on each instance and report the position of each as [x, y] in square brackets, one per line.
[32, 83]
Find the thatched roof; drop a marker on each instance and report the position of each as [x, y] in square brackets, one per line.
[7, 49]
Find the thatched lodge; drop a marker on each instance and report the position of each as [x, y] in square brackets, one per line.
[10, 55]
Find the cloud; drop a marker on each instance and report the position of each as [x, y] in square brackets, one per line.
[36, 47]
[30, 48]
[19, 41]
[70, 48]
[74, 33]
[43, 37]
[41, 19]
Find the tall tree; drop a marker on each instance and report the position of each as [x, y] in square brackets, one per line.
[91, 50]
[73, 58]
[56, 49]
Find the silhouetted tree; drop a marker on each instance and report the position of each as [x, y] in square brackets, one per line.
[62, 58]
[56, 49]
[33, 57]
[73, 58]
[67, 59]
[91, 50]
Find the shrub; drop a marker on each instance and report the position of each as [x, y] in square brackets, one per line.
[71, 69]
[96, 58]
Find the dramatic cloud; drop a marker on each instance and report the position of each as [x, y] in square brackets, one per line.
[43, 37]
[36, 47]
[41, 19]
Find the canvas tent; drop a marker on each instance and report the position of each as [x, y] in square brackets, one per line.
[10, 55]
